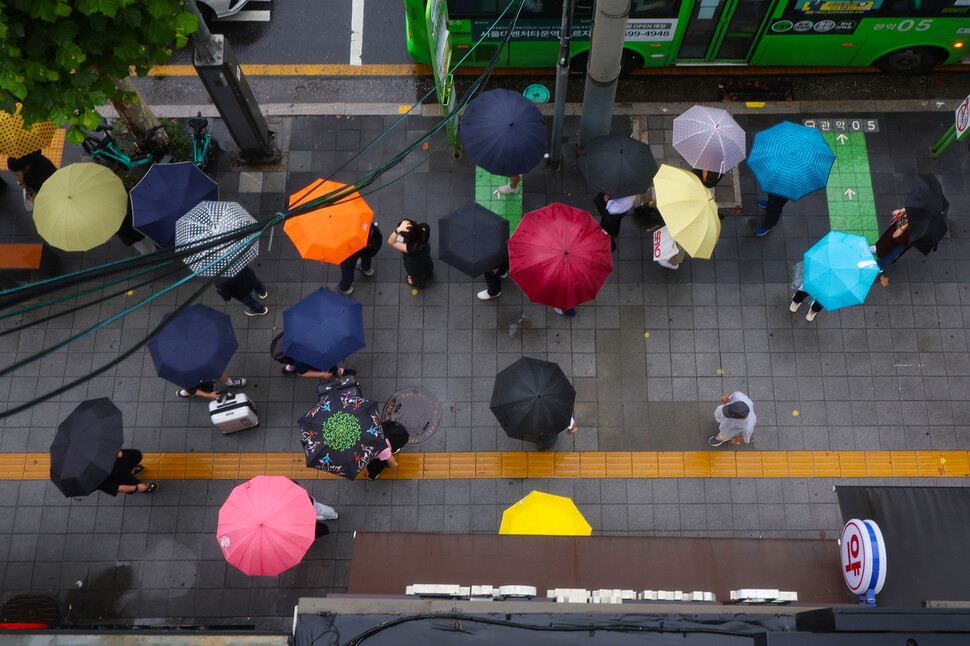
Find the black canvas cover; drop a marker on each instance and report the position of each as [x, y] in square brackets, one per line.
[926, 530]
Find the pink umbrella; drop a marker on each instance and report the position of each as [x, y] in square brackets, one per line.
[266, 525]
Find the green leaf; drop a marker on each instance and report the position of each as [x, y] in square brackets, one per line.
[75, 135]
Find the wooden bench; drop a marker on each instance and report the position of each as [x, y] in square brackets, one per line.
[18, 261]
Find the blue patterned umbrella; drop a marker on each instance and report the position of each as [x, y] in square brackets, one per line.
[791, 160]
[503, 132]
[166, 193]
[195, 347]
[342, 433]
[839, 270]
[323, 329]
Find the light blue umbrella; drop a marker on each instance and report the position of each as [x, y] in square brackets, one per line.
[839, 270]
[791, 160]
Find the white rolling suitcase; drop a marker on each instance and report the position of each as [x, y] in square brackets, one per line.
[232, 413]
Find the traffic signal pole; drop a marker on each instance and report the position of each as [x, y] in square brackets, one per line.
[603, 68]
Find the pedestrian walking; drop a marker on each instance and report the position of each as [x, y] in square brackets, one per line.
[736, 419]
[509, 189]
[894, 241]
[799, 297]
[611, 212]
[546, 442]
[413, 240]
[207, 389]
[396, 435]
[31, 172]
[242, 286]
[772, 206]
[360, 261]
[666, 252]
[324, 513]
[301, 369]
[493, 282]
[571, 312]
[708, 178]
[122, 478]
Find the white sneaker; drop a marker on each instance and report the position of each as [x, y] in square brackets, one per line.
[506, 189]
[483, 295]
[239, 382]
[366, 272]
[346, 292]
[793, 307]
[811, 314]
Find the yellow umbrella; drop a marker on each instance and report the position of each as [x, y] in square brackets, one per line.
[17, 142]
[689, 210]
[80, 206]
[545, 514]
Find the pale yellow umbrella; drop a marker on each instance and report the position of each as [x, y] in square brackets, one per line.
[80, 206]
[688, 209]
[544, 514]
[17, 142]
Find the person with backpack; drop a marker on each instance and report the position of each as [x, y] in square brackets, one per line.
[360, 260]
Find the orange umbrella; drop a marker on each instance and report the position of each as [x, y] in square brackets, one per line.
[331, 233]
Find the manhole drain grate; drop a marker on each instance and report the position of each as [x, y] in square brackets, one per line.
[418, 410]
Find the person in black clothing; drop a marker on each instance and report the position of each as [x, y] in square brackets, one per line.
[493, 280]
[208, 390]
[413, 240]
[359, 260]
[708, 177]
[31, 172]
[241, 287]
[122, 478]
[396, 436]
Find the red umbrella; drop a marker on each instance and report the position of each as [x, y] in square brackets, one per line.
[560, 256]
[266, 525]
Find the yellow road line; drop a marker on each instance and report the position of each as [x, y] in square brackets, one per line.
[523, 464]
[415, 69]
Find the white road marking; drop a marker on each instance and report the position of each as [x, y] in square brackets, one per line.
[247, 15]
[356, 31]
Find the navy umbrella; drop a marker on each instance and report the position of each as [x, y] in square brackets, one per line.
[195, 347]
[473, 239]
[85, 447]
[166, 193]
[532, 399]
[926, 210]
[503, 132]
[323, 329]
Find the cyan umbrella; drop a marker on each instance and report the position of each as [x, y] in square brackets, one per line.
[195, 347]
[323, 329]
[839, 270]
[791, 160]
[166, 193]
[503, 132]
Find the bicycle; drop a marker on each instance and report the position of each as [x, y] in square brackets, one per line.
[106, 152]
[204, 147]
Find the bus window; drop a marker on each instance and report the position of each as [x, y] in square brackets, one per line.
[705, 16]
[640, 9]
[744, 25]
[474, 8]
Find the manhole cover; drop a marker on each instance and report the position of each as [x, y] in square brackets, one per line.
[418, 410]
[536, 93]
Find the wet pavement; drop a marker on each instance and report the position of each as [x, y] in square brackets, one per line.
[649, 358]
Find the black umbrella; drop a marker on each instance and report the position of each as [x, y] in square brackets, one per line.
[926, 210]
[473, 239]
[341, 434]
[85, 447]
[503, 132]
[618, 165]
[532, 399]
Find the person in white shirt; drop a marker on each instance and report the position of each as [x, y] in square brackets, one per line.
[736, 419]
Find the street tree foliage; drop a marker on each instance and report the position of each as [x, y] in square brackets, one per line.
[61, 58]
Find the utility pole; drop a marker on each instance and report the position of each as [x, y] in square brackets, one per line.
[603, 68]
[562, 80]
[216, 65]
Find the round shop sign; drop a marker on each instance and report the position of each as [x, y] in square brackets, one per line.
[863, 557]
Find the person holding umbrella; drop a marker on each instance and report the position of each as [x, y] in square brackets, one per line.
[242, 286]
[612, 210]
[493, 282]
[207, 389]
[359, 260]
[122, 478]
[894, 241]
[799, 297]
[31, 171]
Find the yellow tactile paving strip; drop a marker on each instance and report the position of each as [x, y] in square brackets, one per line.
[54, 151]
[664, 464]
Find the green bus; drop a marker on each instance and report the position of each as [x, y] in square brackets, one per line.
[898, 36]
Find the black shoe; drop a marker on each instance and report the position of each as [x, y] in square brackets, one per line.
[137, 470]
[373, 476]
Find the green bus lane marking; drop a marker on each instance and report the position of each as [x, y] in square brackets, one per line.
[508, 206]
[852, 207]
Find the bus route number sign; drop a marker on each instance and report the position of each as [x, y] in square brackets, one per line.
[842, 125]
